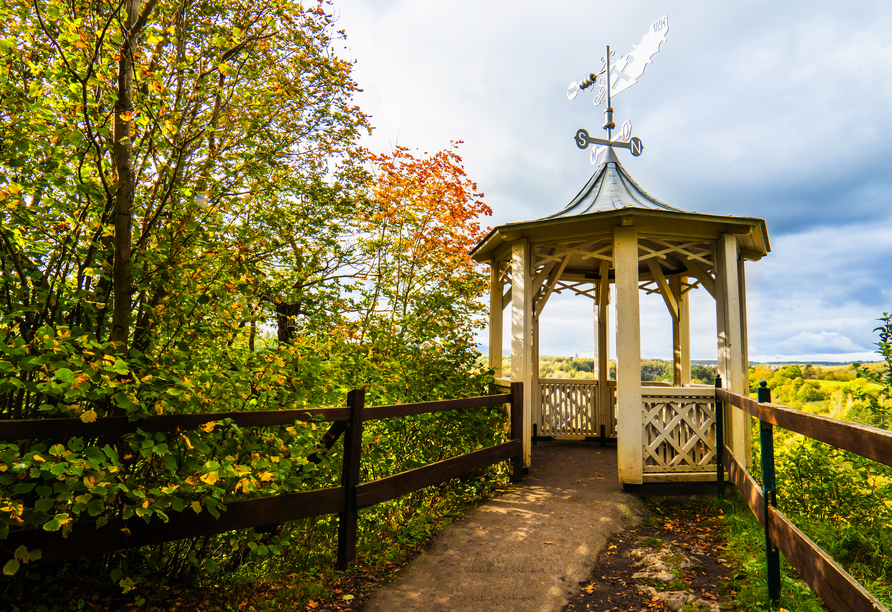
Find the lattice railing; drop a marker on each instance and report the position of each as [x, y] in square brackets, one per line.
[679, 429]
[568, 407]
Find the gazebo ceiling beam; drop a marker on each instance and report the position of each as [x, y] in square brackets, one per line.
[542, 275]
[539, 306]
[683, 249]
[574, 286]
[504, 272]
[663, 284]
[686, 287]
[585, 252]
[506, 298]
[707, 281]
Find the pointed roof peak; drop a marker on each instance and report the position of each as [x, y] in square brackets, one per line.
[610, 188]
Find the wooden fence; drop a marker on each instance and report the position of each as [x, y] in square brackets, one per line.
[832, 583]
[85, 538]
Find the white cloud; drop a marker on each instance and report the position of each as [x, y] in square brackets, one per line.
[767, 109]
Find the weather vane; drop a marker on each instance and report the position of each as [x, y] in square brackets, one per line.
[622, 75]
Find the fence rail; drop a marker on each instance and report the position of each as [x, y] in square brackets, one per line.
[86, 538]
[828, 579]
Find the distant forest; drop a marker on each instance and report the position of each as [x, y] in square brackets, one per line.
[581, 367]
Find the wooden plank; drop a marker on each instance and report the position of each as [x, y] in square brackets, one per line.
[116, 426]
[506, 298]
[86, 539]
[706, 281]
[496, 312]
[663, 284]
[832, 583]
[604, 395]
[705, 391]
[540, 306]
[870, 442]
[348, 518]
[745, 484]
[371, 493]
[517, 430]
[398, 410]
[328, 440]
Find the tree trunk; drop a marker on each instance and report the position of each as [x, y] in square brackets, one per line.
[123, 150]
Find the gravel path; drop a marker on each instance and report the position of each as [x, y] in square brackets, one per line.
[527, 550]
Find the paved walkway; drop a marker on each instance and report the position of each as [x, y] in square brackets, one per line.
[526, 550]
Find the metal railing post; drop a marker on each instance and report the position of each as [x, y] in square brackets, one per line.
[719, 440]
[769, 497]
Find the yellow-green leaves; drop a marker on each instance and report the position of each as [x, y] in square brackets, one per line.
[89, 416]
[21, 556]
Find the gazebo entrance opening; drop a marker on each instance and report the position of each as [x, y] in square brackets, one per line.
[614, 234]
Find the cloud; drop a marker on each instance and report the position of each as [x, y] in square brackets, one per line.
[830, 343]
[783, 118]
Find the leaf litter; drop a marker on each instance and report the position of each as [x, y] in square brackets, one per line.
[673, 558]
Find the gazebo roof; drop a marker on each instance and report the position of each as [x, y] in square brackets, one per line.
[610, 188]
[610, 198]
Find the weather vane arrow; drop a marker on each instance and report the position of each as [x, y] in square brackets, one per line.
[614, 79]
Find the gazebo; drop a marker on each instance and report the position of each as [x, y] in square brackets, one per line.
[613, 232]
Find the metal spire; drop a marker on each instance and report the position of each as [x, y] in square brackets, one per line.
[613, 79]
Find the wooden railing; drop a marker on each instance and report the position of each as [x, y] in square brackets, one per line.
[679, 431]
[86, 538]
[832, 583]
[572, 407]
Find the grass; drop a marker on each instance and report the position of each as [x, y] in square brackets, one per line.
[746, 551]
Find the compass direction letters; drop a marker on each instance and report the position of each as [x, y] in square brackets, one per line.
[583, 140]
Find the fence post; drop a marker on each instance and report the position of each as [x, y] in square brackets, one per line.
[517, 429]
[347, 520]
[719, 440]
[769, 497]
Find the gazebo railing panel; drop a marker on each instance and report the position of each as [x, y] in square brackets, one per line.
[679, 430]
[568, 407]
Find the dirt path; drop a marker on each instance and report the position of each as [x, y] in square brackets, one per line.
[527, 550]
[672, 558]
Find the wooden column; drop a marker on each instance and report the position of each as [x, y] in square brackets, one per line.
[731, 348]
[350, 474]
[495, 318]
[628, 357]
[681, 333]
[521, 335]
[744, 357]
[602, 347]
[536, 408]
[744, 354]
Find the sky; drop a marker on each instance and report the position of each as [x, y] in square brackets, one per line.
[776, 110]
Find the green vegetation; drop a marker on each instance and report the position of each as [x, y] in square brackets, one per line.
[188, 225]
[582, 368]
[842, 501]
[746, 551]
[831, 390]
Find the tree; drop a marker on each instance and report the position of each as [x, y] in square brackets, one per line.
[157, 160]
[419, 300]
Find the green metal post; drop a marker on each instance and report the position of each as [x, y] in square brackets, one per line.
[719, 440]
[769, 487]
